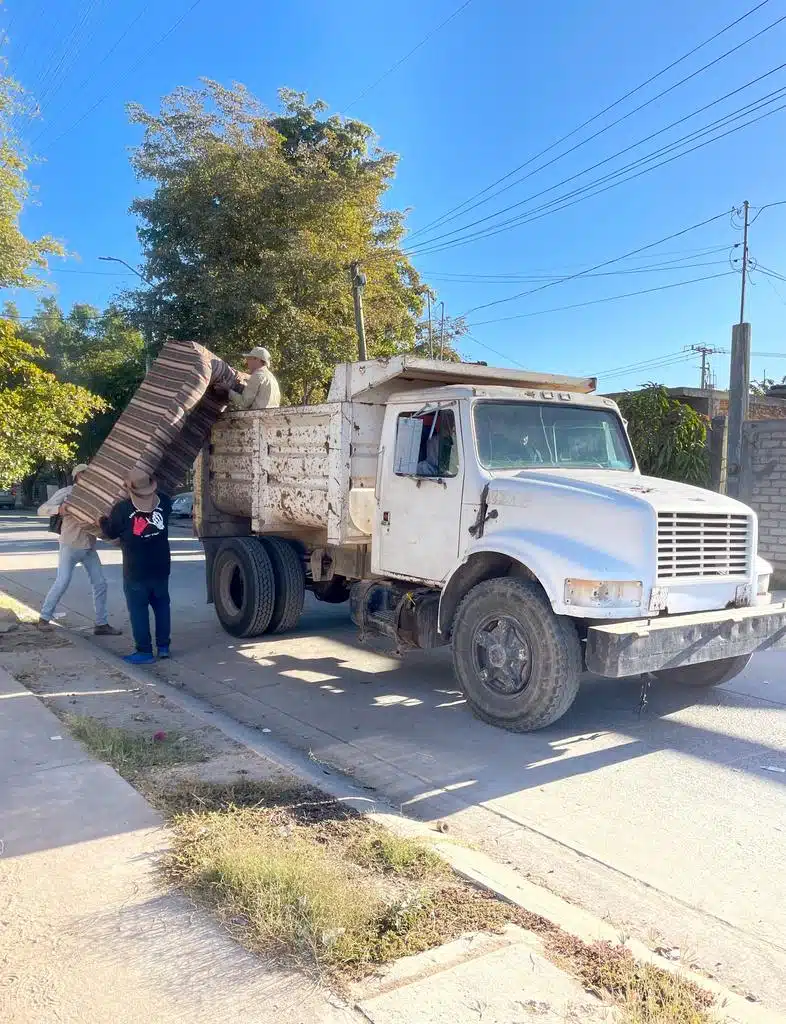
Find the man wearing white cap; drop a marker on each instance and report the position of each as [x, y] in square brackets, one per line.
[76, 546]
[261, 391]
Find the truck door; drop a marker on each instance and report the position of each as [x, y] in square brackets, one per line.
[419, 495]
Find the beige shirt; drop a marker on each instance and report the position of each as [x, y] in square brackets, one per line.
[261, 392]
[72, 533]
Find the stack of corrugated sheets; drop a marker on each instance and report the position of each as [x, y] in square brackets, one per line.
[161, 430]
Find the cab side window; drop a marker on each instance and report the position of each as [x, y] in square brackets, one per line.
[426, 444]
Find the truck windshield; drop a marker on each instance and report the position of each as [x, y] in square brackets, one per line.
[523, 435]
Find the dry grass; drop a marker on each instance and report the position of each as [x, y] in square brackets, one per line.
[644, 993]
[293, 872]
[130, 752]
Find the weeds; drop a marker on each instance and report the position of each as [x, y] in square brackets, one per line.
[131, 752]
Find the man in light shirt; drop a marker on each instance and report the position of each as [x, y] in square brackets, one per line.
[76, 546]
[261, 390]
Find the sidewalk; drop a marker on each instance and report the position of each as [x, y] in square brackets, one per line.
[86, 934]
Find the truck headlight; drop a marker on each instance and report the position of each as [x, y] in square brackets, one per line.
[763, 576]
[604, 593]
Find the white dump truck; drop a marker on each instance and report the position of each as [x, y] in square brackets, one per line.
[498, 511]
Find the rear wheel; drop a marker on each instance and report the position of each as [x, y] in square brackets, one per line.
[290, 584]
[517, 662]
[332, 591]
[707, 673]
[243, 586]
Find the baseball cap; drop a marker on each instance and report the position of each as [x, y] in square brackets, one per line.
[258, 353]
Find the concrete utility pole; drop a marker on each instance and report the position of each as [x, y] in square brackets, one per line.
[358, 284]
[430, 336]
[739, 377]
[149, 318]
[442, 332]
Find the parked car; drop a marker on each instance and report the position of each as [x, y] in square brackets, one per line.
[8, 498]
[183, 505]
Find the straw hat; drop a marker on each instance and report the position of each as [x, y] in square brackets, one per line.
[142, 490]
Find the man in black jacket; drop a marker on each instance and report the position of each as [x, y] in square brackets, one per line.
[141, 524]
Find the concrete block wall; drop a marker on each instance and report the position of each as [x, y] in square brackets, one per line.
[763, 486]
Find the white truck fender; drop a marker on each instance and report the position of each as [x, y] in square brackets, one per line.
[550, 560]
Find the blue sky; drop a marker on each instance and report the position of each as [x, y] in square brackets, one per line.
[503, 80]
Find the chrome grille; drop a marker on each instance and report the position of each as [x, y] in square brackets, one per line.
[703, 544]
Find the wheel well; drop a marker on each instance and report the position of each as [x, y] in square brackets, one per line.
[485, 565]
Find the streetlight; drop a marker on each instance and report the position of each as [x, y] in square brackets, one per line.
[148, 328]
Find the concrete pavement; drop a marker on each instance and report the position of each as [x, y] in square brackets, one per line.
[670, 823]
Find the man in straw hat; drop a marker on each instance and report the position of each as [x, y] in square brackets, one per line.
[77, 546]
[140, 522]
[262, 390]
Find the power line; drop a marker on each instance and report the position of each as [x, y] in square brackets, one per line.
[489, 280]
[445, 217]
[609, 298]
[405, 58]
[605, 263]
[118, 81]
[691, 136]
[103, 60]
[583, 193]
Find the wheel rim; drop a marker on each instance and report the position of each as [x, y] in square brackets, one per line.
[502, 655]
[232, 587]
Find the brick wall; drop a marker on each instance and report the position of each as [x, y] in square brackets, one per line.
[763, 485]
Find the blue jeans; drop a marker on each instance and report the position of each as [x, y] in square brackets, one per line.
[68, 559]
[141, 595]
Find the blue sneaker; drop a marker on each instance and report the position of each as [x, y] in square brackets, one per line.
[139, 658]
[163, 652]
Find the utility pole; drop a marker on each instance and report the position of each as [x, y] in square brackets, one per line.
[149, 318]
[442, 332]
[739, 378]
[358, 279]
[705, 351]
[430, 336]
[745, 209]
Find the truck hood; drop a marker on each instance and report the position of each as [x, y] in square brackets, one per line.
[666, 495]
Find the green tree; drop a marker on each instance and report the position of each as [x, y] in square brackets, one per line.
[40, 416]
[252, 222]
[17, 253]
[99, 351]
[668, 436]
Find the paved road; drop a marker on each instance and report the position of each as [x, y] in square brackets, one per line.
[672, 822]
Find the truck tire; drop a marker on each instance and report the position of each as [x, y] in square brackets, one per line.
[243, 586]
[518, 663]
[290, 584]
[705, 674]
[332, 591]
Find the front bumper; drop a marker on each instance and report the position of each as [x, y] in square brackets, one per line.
[649, 645]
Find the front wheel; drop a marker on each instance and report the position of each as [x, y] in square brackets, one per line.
[518, 663]
[706, 674]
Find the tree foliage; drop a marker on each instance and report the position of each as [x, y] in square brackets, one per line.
[668, 436]
[99, 351]
[251, 225]
[17, 253]
[40, 416]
